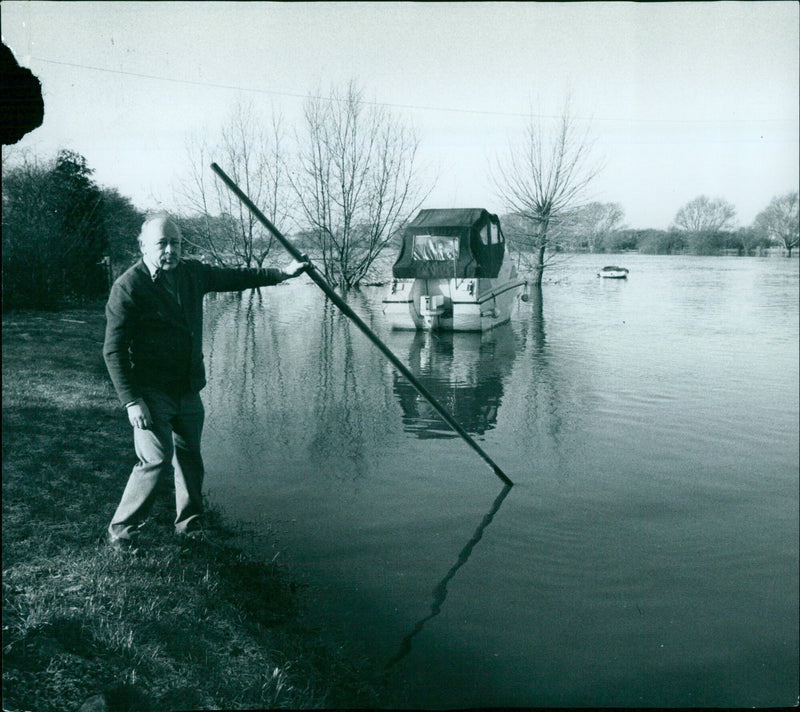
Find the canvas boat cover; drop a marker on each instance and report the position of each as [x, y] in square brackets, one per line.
[451, 243]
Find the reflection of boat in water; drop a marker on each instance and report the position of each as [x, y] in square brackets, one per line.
[464, 372]
[451, 275]
[612, 272]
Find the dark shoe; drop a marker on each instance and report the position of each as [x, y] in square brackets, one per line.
[194, 538]
[191, 536]
[124, 546]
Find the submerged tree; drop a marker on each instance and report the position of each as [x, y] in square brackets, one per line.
[705, 224]
[542, 180]
[705, 215]
[779, 221]
[356, 182]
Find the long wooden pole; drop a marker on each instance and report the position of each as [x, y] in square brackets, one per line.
[319, 280]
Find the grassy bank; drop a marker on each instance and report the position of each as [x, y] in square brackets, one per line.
[204, 628]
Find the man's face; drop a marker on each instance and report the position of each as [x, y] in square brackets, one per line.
[161, 245]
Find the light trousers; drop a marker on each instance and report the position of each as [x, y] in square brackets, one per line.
[172, 443]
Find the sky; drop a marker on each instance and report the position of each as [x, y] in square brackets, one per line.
[680, 99]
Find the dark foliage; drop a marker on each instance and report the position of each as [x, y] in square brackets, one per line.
[58, 228]
[122, 222]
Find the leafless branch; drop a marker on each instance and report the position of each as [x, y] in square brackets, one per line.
[356, 182]
[542, 179]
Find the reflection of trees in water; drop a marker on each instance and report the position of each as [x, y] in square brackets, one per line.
[542, 405]
[463, 371]
[244, 344]
[295, 378]
[215, 307]
[338, 431]
[229, 318]
[243, 366]
[232, 318]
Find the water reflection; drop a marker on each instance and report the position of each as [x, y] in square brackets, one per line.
[465, 372]
[543, 403]
[288, 374]
[338, 416]
[238, 312]
[287, 369]
[439, 593]
[533, 328]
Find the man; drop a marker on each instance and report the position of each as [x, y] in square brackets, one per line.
[153, 352]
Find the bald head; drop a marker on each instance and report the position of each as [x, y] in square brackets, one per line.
[160, 242]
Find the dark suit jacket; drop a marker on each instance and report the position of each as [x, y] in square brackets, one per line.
[154, 340]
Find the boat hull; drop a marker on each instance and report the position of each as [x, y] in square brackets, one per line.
[451, 304]
[613, 273]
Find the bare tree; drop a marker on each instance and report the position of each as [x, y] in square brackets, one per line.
[593, 224]
[704, 215]
[779, 221]
[542, 180]
[253, 156]
[356, 182]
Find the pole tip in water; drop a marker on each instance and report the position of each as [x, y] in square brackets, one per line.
[502, 475]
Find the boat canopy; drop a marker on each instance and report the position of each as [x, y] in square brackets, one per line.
[451, 243]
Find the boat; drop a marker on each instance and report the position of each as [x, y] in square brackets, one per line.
[452, 273]
[612, 272]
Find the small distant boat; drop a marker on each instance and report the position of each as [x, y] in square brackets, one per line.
[452, 274]
[612, 272]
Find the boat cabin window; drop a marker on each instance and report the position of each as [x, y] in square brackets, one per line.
[490, 234]
[435, 248]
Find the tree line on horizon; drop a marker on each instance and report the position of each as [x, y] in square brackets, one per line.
[703, 226]
[347, 189]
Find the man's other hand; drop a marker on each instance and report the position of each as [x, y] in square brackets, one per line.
[139, 415]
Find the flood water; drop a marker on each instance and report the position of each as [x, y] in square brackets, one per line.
[647, 554]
